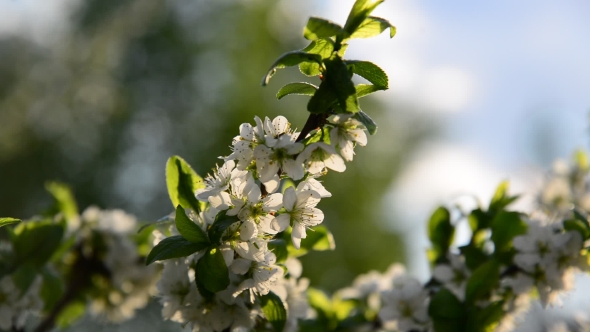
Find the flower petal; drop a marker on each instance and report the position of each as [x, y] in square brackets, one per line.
[335, 163]
[293, 169]
[281, 222]
[289, 199]
[248, 230]
[272, 202]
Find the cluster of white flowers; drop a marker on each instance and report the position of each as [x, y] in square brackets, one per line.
[547, 258]
[247, 186]
[129, 284]
[453, 276]
[15, 307]
[400, 301]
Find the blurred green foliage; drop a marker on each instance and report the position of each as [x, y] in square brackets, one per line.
[133, 82]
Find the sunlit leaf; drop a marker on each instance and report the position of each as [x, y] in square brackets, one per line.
[299, 88]
[369, 71]
[64, 199]
[373, 26]
[320, 28]
[366, 89]
[318, 238]
[8, 221]
[322, 47]
[182, 182]
[360, 11]
[290, 59]
[70, 314]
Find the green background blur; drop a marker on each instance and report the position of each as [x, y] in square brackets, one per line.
[132, 82]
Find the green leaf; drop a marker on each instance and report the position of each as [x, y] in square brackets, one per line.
[164, 221]
[322, 135]
[577, 225]
[52, 289]
[486, 319]
[64, 247]
[482, 281]
[64, 199]
[320, 28]
[188, 229]
[446, 312]
[182, 182]
[474, 257]
[366, 89]
[36, 242]
[360, 11]
[505, 226]
[279, 248]
[8, 221]
[581, 217]
[369, 71]
[319, 301]
[581, 159]
[203, 291]
[337, 87]
[274, 310]
[440, 231]
[373, 26]
[212, 272]
[23, 277]
[70, 314]
[299, 88]
[221, 223]
[323, 100]
[318, 238]
[322, 47]
[290, 59]
[501, 198]
[478, 219]
[173, 247]
[366, 120]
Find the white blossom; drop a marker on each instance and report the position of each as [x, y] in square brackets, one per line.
[312, 184]
[281, 157]
[218, 181]
[547, 257]
[318, 156]
[293, 294]
[16, 308]
[301, 212]
[453, 276]
[345, 134]
[264, 275]
[256, 215]
[406, 305]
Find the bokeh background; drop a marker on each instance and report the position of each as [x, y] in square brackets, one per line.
[99, 93]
